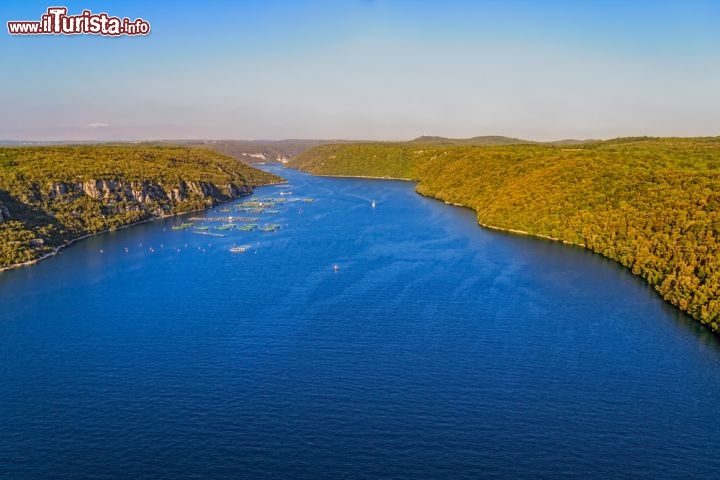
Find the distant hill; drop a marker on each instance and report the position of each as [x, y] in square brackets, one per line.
[651, 204]
[280, 151]
[491, 140]
[480, 140]
[260, 151]
[263, 151]
[249, 151]
[570, 141]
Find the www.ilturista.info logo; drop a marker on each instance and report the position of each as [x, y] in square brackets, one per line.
[57, 22]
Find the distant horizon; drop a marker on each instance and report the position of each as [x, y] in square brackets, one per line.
[320, 139]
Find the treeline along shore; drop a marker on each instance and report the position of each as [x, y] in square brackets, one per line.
[53, 195]
[651, 204]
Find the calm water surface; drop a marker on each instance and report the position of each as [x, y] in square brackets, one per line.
[437, 350]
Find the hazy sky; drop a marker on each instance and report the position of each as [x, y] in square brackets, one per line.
[383, 69]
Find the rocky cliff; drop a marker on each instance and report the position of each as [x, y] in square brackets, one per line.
[112, 190]
[51, 216]
[50, 196]
[153, 197]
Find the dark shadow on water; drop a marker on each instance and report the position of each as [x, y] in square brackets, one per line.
[546, 247]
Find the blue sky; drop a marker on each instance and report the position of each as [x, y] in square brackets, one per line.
[380, 69]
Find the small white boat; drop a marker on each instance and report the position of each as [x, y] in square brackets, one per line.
[373, 203]
[241, 248]
[336, 267]
[285, 193]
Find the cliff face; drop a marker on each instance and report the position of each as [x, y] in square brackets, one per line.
[47, 217]
[153, 197]
[52, 195]
[121, 202]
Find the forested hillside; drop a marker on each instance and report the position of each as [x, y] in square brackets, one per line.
[51, 195]
[652, 204]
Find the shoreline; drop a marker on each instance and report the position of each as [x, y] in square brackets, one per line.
[367, 177]
[525, 233]
[58, 249]
[455, 204]
[512, 231]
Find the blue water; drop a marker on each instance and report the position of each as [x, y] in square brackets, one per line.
[437, 350]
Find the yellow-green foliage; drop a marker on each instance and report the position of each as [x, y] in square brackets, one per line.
[651, 204]
[155, 163]
[390, 160]
[42, 218]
